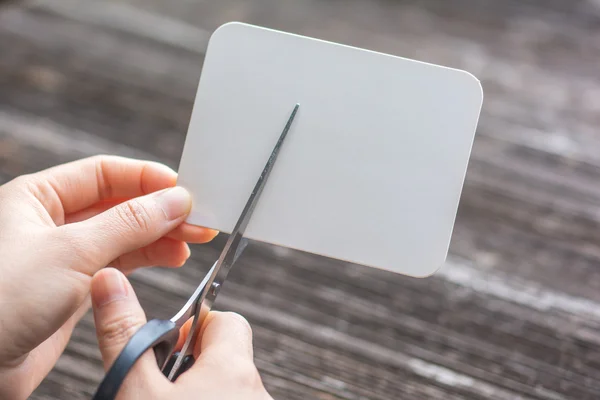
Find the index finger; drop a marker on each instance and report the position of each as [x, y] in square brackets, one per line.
[80, 184]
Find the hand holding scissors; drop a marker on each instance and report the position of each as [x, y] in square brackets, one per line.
[163, 335]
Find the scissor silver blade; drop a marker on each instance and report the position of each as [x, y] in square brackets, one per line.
[187, 311]
[207, 293]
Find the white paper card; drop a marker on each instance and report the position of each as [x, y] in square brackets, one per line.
[373, 167]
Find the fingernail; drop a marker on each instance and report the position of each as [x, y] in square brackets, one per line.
[175, 202]
[111, 288]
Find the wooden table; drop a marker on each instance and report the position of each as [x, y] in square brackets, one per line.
[515, 313]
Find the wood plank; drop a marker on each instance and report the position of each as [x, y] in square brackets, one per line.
[514, 314]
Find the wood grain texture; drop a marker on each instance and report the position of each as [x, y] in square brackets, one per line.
[515, 314]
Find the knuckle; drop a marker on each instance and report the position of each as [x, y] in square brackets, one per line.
[135, 216]
[117, 331]
[25, 180]
[102, 159]
[242, 373]
[235, 319]
[24, 188]
[29, 183]
[104, 188]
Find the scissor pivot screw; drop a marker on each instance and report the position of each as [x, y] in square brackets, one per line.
[214, 288]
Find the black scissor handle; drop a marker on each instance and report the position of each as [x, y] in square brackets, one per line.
[158, 334]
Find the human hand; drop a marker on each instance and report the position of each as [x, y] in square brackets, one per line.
[224, 367]
[58, 227]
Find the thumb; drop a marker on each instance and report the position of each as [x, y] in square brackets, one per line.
[128, 226]
[118, 315]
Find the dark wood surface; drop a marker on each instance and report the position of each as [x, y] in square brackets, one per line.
[515, 313]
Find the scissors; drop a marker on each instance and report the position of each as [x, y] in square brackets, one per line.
[162, 335]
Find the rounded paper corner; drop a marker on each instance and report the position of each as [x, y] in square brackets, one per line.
[430, 272]
[225, 29]
[474, 84]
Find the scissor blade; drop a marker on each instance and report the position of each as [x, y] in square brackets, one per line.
[233, 248]
[262, 180]
[187, 311]
[236, 243]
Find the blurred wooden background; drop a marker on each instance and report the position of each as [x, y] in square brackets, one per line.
[515, 313]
